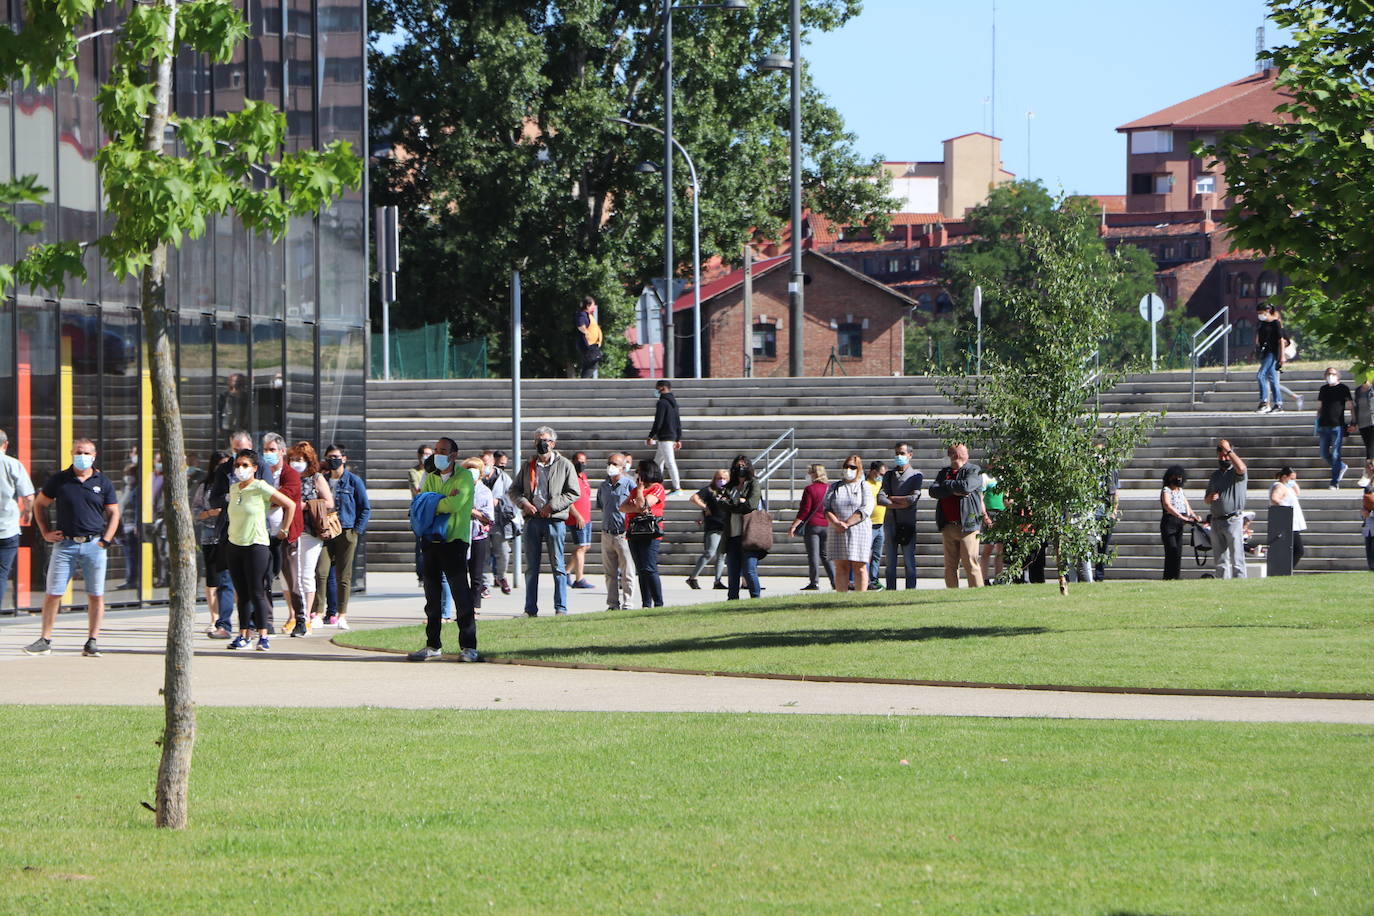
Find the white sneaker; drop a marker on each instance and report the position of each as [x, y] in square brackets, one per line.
[343, 623]
[1364, 482]
[1264, 407]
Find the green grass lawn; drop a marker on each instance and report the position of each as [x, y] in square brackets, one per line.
[362, 810]
[1296, 633]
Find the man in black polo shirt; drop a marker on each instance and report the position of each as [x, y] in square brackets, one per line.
[87, 518]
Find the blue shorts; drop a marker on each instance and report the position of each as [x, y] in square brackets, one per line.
[581, 537]
[67, 556]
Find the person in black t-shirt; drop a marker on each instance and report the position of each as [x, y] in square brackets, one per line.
[1333, 398]
[1269, 343]
[87, 510]
[713, 518]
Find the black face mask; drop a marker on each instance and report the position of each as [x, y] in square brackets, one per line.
[542, 446]
[333, 463]
[579, 466]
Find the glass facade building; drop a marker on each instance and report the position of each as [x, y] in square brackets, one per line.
[270, 336]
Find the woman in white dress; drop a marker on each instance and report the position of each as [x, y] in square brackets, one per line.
[1285, 492]
[849, 508]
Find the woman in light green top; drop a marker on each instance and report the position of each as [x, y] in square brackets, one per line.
[250, 499]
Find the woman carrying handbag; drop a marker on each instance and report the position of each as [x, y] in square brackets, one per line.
[742, 496]
[644, 527]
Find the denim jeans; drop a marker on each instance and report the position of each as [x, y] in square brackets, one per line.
[876, 557]
[9, 549]
[644, 550]
[1268, 377]
[1332, 438]
[908, 556]
[712, 551]
[741, 562]
[538, 532]
[67, 556]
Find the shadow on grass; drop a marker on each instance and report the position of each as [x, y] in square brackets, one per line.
[780, 640]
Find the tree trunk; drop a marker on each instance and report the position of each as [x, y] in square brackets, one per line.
[1063, 574]
[179, 733]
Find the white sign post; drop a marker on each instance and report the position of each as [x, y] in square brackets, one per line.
[978, 314]
[1152, 310]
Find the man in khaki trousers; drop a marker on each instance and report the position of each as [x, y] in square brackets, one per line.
[958, 491]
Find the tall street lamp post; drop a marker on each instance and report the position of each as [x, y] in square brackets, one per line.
[669, 338]
[796, 303]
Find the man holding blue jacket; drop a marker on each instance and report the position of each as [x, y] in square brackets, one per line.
[446, 556]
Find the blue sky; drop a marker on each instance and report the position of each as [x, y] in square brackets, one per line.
[907, 74]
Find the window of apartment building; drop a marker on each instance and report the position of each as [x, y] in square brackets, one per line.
[1164, 183]
[926, 301]
[1152, 141]
[849, 340]
[914, 265]
[766, 341]
[1168, 252]
[1142, 183]
[1191, 251]
[1245, 287]
[894, 265]
[1268, 285]
[1205, 184]
[1245, 333]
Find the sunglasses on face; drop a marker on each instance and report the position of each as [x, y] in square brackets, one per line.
[850, 467]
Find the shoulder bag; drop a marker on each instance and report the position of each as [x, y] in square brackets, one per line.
[324, 522]
[757, 536]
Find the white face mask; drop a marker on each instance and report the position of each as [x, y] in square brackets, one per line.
[612, 470]
[298, 467]
[1333, 379]
[850, 473]
[244, 474]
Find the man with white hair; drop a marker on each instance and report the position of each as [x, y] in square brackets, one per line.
[544, 489]
[16, 508]
[958, 489]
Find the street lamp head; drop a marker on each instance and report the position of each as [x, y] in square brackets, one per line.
[774, 62]
[734, 6]
[646, 168]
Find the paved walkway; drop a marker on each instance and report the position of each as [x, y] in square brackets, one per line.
[313, 672]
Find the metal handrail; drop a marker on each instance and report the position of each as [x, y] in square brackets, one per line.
[772, 463]
[1215, 328]
[1096, 358]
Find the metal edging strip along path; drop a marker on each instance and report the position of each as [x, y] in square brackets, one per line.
[906, 682]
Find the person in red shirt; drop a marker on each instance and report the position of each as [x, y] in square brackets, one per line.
[646, 499]
[580, 525]
[811, 518]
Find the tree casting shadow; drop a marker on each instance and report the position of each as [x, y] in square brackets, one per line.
[781, 640]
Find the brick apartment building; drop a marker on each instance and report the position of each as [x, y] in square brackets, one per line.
[854, 324]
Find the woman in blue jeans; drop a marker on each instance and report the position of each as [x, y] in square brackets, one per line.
[741, 498]
[646, 499]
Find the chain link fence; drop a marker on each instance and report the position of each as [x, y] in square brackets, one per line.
[429, 352]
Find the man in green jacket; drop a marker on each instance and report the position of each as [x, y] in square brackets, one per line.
[448, 557]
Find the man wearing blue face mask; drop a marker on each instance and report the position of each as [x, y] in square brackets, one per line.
[899, 493]
[87, 510]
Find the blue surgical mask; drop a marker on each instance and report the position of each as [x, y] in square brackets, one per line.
[900, 460]
[83, 462]
[272, 458]
[440, 461]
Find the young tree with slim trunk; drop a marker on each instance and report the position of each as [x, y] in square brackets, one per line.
[1035, 407]
[160, 187]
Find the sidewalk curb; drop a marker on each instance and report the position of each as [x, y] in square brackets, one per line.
[902, 682]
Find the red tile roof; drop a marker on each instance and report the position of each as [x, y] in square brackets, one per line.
[1252, 98]
[1157, 231]
[768, 265]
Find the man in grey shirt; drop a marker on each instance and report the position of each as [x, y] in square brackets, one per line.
[899, 492]
[615, 549]
[16, 509]
[1226, 499]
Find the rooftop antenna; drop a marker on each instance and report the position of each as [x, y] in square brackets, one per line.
[992, 105]
[1261, 51]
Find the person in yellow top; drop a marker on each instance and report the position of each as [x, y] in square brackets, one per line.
[250, 500]
[447, 557]
[588, 339]
[874, 481]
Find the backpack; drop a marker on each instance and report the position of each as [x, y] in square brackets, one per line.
[426, 520]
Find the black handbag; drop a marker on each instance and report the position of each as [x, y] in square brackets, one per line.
[645, 525]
